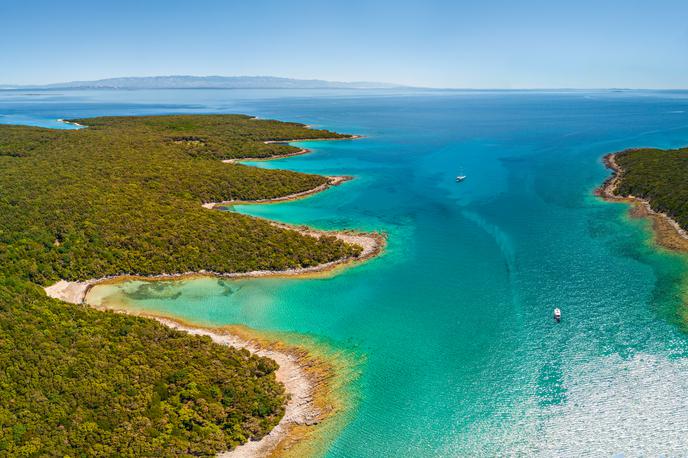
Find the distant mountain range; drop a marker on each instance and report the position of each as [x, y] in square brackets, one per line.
[210, 82]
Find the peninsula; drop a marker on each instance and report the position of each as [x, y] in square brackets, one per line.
[124, 196]
[655, 181]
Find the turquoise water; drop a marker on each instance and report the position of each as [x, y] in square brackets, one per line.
[451, 328]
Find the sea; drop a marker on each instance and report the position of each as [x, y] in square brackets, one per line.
[447, 339]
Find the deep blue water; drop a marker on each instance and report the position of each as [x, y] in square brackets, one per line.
[451, 329]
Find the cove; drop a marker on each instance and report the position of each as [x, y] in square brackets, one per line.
[450, 329]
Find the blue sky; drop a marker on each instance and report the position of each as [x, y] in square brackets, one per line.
[480, 44]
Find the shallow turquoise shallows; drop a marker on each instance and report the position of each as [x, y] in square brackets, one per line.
[451, 329]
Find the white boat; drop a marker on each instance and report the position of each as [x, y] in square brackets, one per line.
[460, 178]
[557, 315]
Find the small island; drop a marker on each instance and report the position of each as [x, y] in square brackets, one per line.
[655, 181]
[122, 197]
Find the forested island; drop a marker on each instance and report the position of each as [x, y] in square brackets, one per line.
[657, 181]
[124, 197]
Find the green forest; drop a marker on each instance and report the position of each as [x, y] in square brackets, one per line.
[123, 196]
[661, 176]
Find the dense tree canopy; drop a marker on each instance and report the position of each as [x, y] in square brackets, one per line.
[75, 381]
[124, 196]
[660, 176]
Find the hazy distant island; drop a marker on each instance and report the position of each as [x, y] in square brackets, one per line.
[656, 182]
[210, 82]
[124, 196]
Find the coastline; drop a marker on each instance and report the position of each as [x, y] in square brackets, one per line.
[334, 180]
[64, 121]
[269, 158]
[286, 142]
[294, 140]
[292, 373]
[372, 244]
[312, 382]
[667, 232]
[309, 380]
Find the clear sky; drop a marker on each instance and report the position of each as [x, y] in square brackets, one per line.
[488, 43]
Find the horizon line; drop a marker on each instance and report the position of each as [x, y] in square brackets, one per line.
[42, 87]
[393, 85]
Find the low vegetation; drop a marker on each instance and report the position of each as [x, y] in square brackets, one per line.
[124, 196]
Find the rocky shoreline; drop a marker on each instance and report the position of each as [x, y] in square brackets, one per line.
[305, 379]
[372, 244]
[286, 142]
[332, 181]
[668, 233]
